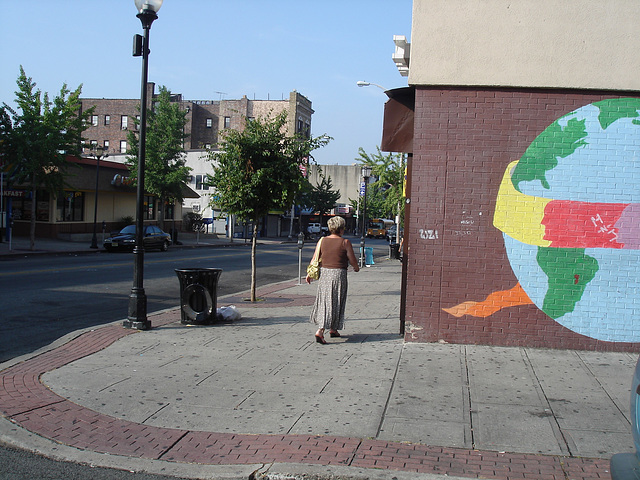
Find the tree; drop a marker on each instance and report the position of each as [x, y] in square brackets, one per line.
[258, 170]
[321, 198]
[38, 137]
[387, 195]
[165, 160]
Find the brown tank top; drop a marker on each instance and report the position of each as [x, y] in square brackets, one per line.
[333, 253]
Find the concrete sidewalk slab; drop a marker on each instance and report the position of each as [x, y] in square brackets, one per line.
[260, 391]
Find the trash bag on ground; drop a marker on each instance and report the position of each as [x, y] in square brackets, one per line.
[229, 313]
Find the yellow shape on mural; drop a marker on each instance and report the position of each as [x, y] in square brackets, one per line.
[519, 215]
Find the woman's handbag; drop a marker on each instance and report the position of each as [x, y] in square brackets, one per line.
[313, 270]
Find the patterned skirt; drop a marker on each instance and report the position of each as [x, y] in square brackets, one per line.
[328, 311]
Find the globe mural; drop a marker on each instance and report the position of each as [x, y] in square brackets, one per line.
[569, 211]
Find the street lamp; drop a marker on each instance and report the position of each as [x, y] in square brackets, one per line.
[137, 318]
[97, 152]
[362, 83]
[366, 173]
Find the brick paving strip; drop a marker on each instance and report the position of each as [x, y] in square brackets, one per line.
[27, 402]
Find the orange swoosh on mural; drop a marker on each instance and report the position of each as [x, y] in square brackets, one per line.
[494, 302]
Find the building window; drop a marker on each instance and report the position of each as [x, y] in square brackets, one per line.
[124, 121]
[94, 144]
[106, 145]
[149, 207]
[198, 182]
[107, 119]
[123, 146]
[94, 120]
[209, 122]
[227, 122]
[21, 207]
[300, 126]
[137, 125]
[70, 207]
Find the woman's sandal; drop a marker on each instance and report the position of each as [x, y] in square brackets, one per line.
[321, 340]
[334, 334]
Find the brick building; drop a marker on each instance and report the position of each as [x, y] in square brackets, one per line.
[205, 118]
[523, 175]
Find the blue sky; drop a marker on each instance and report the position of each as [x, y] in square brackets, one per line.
[212, 49]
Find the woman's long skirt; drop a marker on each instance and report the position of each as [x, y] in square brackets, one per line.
[328, 311]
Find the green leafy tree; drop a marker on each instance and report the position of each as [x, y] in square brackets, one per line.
[258, 170]
[321, 198]
[387, 198]
[165, 160]
[37, 137]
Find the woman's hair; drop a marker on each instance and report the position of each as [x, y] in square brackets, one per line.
[336, 224]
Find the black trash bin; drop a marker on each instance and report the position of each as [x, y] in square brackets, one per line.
[394, 251]
[198, 295]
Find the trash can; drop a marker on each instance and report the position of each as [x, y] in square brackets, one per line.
[394, 251]
[198, 295]
[368, 256]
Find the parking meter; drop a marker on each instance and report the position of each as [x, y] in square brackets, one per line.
[300, 245]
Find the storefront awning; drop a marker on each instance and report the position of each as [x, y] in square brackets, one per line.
[397, 130]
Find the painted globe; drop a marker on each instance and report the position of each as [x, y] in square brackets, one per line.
[569, 210]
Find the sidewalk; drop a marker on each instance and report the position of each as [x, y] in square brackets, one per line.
[259, 394]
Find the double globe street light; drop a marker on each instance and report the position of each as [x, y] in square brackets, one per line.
[137, 318]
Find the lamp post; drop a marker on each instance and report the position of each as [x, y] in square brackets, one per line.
[366, 173]
[137, 318]
[98, 153]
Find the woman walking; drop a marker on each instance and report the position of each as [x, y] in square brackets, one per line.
[335, 253]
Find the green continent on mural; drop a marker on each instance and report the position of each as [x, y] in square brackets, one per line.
[542, 155]
[617, 108]
[569, 270]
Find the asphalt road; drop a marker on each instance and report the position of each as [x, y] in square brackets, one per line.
[46, 297]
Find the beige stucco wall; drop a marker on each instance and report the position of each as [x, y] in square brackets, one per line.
[526, 43]
[345, 178]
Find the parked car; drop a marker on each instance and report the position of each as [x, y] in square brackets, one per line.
[314, 229]
[126, 239]
[626, 466]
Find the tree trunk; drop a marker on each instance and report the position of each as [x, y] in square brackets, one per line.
[32, 225]
[254, 242]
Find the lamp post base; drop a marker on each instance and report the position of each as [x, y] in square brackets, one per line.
[137, 325]
[137, 318]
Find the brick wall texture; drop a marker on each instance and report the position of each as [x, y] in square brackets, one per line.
[461, 286]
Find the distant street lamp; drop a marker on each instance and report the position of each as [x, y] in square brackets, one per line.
[366, 173]
[362, 83]
[98, 153]
[137, 318]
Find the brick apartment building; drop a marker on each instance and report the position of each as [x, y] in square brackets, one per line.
[205, 118]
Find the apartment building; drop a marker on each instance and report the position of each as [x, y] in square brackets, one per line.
[112, 118]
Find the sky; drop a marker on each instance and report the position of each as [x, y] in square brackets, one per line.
[213, 49]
